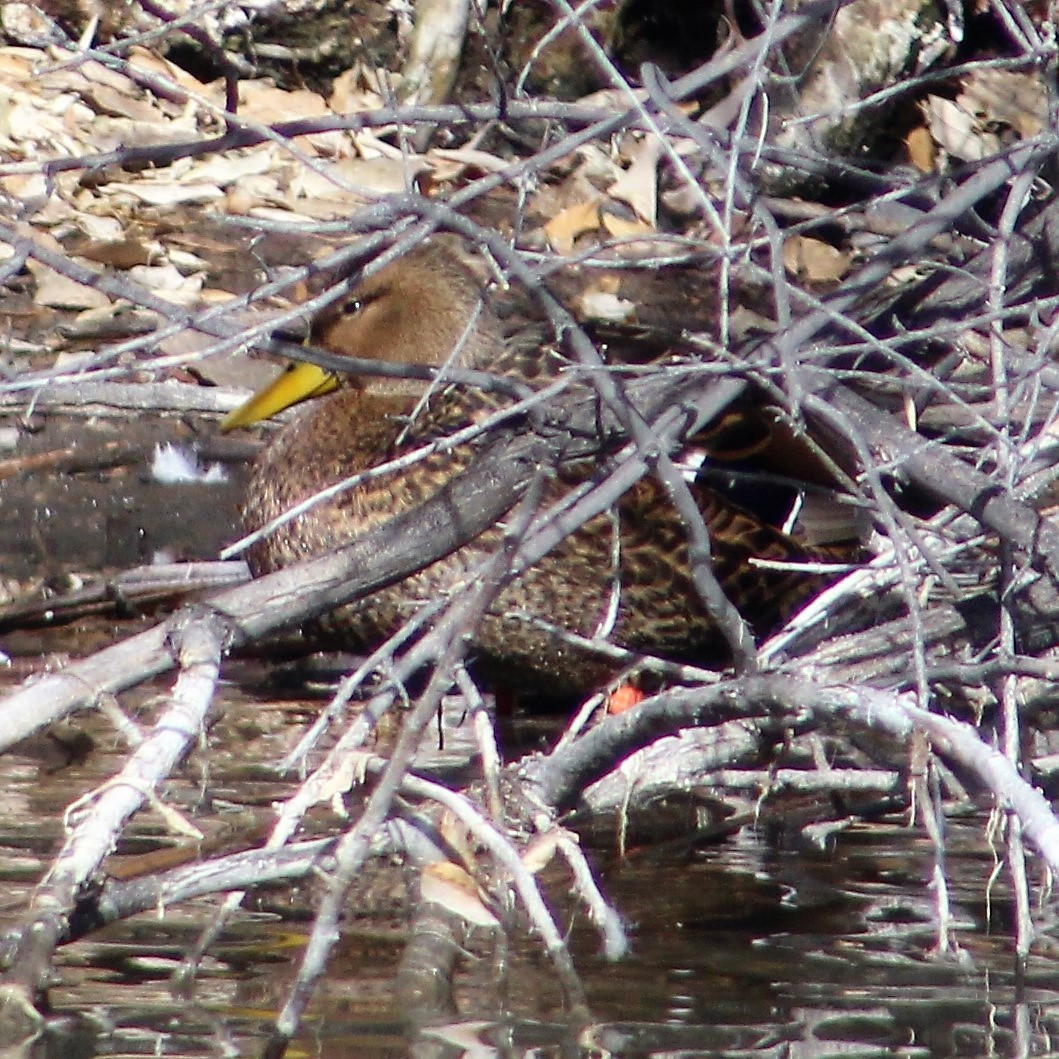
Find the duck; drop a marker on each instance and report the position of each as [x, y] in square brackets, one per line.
[428, 308]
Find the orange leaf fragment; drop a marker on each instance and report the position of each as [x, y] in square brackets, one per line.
[568, 224]
[624, 697]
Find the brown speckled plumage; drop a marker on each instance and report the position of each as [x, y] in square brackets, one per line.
[416, 310]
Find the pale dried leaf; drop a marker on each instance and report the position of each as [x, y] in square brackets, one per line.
[213, 296]
[29, 25]
[595, 168]
[147, 61]
[236, 371]
[311, 210]
[285, 216]
[30, 122]
[101, 228]
[1014, 98]
[616, 99]
[96, 73]
[625, 227]
[187, 262]
[568, 224]
[226, 169]
[462, 158]
[352, 94]
[453, 830]
[24, 186]
[175, 821]
[335, 778]
[920, 146]
[262, 101]
[601, 302]
[354, 179]
[250, 193]
[119, 253]
[106, 133]
[118, 104]
[958, 132]
[59, 292]
[540, 851]
[113, 319]
[449, 886]
[70, 360]
[638, 185]
[160, 193]
[168, 282]
[17, 64]
[814, 260]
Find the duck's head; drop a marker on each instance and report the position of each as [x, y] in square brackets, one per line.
[425, 308]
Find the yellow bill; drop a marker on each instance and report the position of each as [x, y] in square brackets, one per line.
[299, 382]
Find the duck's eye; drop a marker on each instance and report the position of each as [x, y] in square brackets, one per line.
[351, 307]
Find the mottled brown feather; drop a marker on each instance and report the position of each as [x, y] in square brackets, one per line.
[416, 310]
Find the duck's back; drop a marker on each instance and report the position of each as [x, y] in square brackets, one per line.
[633, 589]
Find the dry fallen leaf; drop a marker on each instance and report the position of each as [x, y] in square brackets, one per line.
[352, 180]
[150, 63]
[59, 292]
[114, 320]
[920, 147]
[958, 132]
[119, 253]
[625, 227]
[105, 99]
[28, 24]
[1018, 99]
[458, 160]
[638, 185]
[101, 228]
[351, 92]
[448, 885]
[165, 194]
[169, 282]
[600, 301]
[335, 779]
[261, 101]
[252, 192]
[107, 133]
[541, 849]
[813, 260]
[568, 224]
[230, 168]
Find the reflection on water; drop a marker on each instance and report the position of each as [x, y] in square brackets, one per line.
[739, 950]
